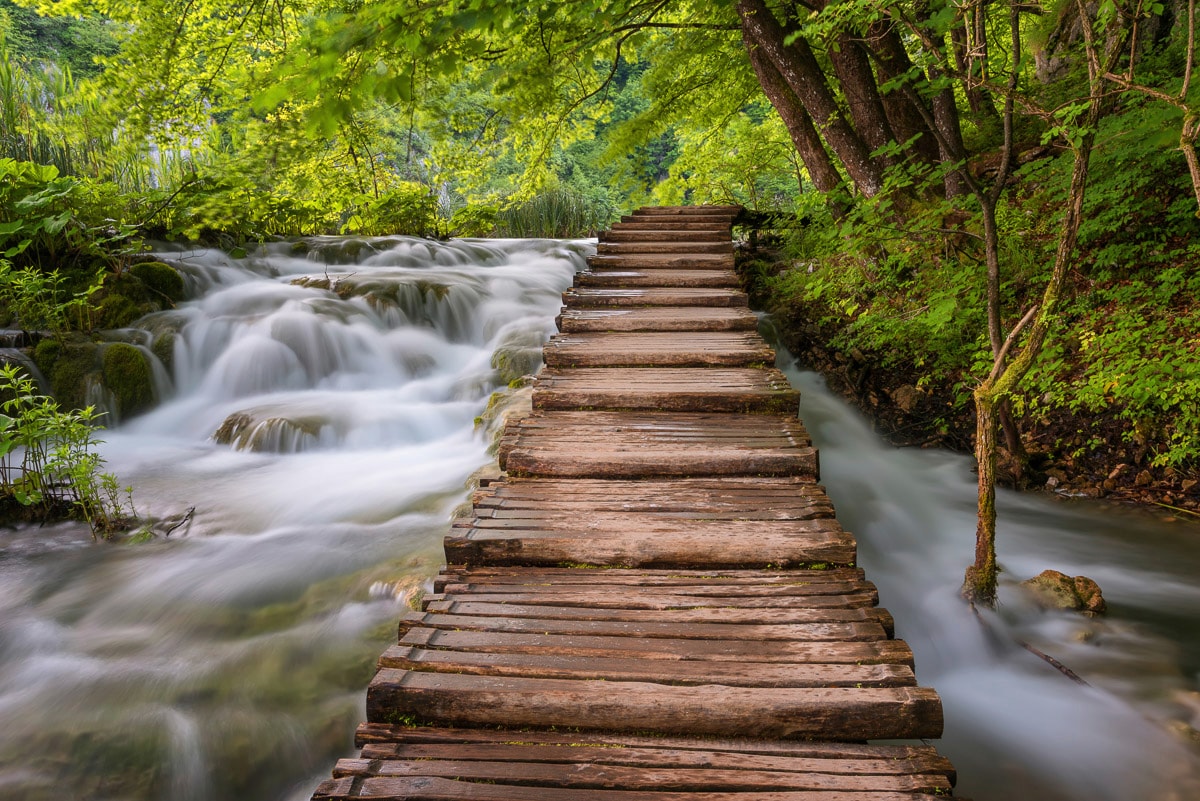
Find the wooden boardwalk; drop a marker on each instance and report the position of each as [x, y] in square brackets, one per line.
[656, 602]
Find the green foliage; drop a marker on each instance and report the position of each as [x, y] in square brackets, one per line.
[48, 461]
[409, 208]
[557, 213]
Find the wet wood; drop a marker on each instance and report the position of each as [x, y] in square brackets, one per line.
[644, 445]
[584, 298]
[657, 574]
[674, 389]
[628, 275]
[700, 242]
[655, 318]
[832, 713]
[662, 261]
[656, 349]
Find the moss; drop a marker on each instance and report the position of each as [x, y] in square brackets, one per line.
[116, 311]
[161, 279]
[71, 368]
[163, 348]
[127, 374]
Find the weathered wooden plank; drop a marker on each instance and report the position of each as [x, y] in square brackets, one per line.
[678, 223]
[773, 616]
[712, 349]
[701, 242]
[662, 261]
[690, 672]
[801, 586]
[798, 632]
[644, 600]
[893, 764]
[869, 652]
[758, 390]
[619, 580]
[643, 445]
[725, 497]
[583, 297]
[713, 544]
[830, 713]
[657, 318]
[629, 274]
[613, 774]
[707, 210]
[428, 788]
[382, 733]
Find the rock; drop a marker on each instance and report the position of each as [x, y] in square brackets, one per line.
[1188, 484]
[906, 397]
[161, 279]
[1051, 589]
[1143, 479]
[127, 375]
[1090, 596]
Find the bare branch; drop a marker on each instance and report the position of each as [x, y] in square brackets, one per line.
[1002, 355]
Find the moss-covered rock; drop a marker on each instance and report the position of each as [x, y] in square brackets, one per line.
[115, 310]
[72, 368]
[161, 279]
[127, 375]
[163, 348]
[1051, 589]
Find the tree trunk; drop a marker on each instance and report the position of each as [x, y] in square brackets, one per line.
[978, 99]
[857, 82]
[820, 166]
[802, 73]
[979, 584]
[908, 123]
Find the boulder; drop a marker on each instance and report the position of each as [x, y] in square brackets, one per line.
[1051, 589]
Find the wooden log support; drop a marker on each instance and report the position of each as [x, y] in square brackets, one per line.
[656, 602]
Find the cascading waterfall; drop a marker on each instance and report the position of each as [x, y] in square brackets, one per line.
[319, 418]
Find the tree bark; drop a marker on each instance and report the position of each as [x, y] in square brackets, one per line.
[820, 166]
[979, 584]
[978, 99]
[799, 68]
[908, 123]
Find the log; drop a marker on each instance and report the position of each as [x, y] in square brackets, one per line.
[830, 713]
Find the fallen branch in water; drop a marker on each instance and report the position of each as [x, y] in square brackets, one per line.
[187, 518]
[1176, 508]
[1045, 657]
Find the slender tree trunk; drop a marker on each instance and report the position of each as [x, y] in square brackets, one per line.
[969, 60]
[979, 584]
[857, 81]
[802, 73]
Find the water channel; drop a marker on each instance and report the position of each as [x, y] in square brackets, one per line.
[228, 660]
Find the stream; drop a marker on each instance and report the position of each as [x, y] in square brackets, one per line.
[319, 417]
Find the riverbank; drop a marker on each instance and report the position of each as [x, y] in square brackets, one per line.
[1073, 454]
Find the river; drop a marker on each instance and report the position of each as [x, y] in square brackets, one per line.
[228, 660]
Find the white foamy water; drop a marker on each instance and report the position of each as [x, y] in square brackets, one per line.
[229, 660]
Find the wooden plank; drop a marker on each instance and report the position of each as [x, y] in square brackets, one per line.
[712, 545]
[380, 733]
[694, 211]
[644, 445]
[583, 297]
[868, 652]
[629, 772]
[678, 223]
[725, 497]
[830, 713]
[666, 235]
[657, 318]
[662, 261]
[801, 586]
[684, 389]
[427, 788]
[618, 580]
[643, 600]
[671, 616]
[700, 242]
[713, 349]
[684, 673]
[797, 632]
[885, 764]
[628, 274]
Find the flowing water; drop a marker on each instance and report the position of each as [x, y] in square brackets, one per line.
[228, 660]
[1016, 728]
[319, 417]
